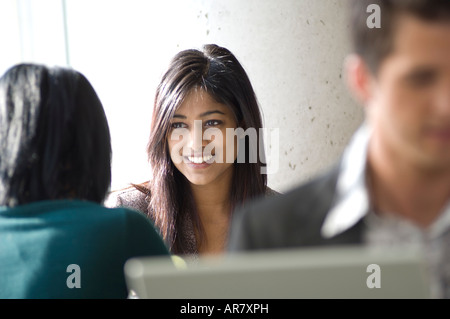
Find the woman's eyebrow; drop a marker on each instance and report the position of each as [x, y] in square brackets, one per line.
[211, 112]
[179, 116]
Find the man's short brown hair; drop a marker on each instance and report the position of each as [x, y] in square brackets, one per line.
[375, 44]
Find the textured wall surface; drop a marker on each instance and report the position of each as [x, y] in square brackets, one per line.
[293, 51]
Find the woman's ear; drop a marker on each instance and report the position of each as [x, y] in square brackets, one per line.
[358, 78]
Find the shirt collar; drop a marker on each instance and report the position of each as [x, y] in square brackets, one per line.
[441, 224]
[352, 200]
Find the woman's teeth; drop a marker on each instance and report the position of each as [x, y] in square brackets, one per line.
[199, 160]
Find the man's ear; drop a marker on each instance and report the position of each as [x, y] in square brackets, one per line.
[359, 78]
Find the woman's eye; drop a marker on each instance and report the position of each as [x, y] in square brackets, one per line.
[213, 123]
[178, 125]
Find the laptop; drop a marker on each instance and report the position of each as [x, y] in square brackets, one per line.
[325, 273]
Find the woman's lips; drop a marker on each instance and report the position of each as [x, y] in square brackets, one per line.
[199, 161]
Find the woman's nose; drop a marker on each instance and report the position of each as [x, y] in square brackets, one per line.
[196, 137]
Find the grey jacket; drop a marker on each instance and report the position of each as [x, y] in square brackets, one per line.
[291, 220]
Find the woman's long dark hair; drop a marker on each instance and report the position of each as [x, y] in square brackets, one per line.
[217, 71]
[54, 137]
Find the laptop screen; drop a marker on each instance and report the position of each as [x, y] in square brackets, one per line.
[333, 272]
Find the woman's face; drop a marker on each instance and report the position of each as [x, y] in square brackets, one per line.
[198, 143]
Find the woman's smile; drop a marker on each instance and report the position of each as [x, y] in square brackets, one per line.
[202, 159]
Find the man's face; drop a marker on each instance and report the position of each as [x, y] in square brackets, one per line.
[409, 100]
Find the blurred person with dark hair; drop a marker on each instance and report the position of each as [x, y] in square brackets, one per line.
[192, 191]
[57, 240]
[392, 184]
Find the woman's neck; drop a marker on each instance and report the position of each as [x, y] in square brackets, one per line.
[214, 196]
[213, 207]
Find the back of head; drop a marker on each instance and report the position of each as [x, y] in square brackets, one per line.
[54, 137]
[374, 44]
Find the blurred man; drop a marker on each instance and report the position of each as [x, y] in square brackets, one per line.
[392, 184]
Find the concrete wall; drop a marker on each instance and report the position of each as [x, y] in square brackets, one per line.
[293, 51]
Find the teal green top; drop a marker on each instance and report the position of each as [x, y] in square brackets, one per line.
[71, 249]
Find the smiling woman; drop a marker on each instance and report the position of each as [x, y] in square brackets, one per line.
[195, 186]
[203, 158]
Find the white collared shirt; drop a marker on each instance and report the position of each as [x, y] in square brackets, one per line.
[352, 204]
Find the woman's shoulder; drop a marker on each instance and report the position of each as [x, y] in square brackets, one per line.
[134, 196]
